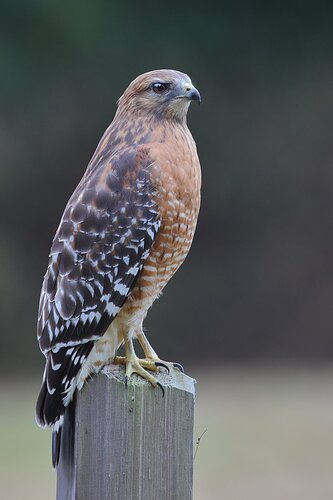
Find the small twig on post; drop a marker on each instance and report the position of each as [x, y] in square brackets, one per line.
[130, 444]
[198, 443]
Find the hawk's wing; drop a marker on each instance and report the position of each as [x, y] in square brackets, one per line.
[105, 235]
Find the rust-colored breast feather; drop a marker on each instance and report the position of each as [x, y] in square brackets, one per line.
[175, 172]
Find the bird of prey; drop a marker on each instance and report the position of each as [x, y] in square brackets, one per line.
[125, 231]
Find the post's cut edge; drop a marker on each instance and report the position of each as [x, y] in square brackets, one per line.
[175, 378]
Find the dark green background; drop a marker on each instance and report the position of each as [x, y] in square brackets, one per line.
[258, 284]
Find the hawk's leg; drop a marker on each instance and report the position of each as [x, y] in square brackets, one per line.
[151, 354]
[146, 347]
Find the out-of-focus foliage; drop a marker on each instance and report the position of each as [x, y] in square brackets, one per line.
[258, 282]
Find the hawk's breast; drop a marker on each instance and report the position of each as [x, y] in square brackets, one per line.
[177, 178]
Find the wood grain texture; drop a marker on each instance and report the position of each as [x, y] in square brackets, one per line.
[129, 444]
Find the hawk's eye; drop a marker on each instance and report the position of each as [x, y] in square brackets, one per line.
[159, 87]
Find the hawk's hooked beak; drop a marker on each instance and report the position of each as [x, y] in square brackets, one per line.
[192, 93]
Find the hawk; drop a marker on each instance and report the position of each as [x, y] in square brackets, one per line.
[125, 231]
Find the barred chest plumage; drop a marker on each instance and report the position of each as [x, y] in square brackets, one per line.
[178, 200]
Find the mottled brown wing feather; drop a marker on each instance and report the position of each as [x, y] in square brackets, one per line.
[104, 236]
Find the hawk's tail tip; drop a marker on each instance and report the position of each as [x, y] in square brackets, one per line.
[56, 440]
[40, 406]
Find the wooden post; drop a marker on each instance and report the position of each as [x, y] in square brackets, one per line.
[129, 444]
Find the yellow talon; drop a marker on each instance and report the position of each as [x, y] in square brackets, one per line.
[136, 365]
[140, 366]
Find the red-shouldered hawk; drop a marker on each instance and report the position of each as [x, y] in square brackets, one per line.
[125, 231]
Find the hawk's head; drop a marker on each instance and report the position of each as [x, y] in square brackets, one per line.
[164, 93]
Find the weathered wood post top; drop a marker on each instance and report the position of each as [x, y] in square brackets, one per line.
[130, 443]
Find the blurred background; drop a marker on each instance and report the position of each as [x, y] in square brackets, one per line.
[250, 312]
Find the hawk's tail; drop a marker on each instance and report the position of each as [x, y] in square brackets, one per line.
[56, 440]
[40, 405]
[43, 422]
[62, 428]
[58, 387]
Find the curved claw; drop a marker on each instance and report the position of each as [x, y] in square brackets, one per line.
[159, 363]
[161, 387]
[126, 381]
[180, 368]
